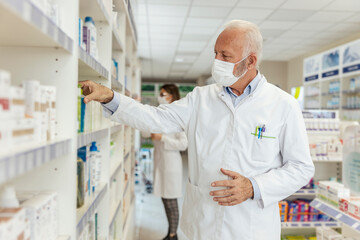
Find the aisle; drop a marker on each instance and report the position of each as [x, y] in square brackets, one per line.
[151, 222]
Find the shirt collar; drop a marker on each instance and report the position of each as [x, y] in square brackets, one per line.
[249, 88]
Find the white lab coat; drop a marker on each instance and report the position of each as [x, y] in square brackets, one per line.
[168, 165]
[220, 136]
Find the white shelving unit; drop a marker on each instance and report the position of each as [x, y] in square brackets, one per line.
[350, 225]
[32, 46]
[291, 225]
[319, 77]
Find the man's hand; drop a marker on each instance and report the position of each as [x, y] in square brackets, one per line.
[96, 92]
[238, 190]
[156, 136]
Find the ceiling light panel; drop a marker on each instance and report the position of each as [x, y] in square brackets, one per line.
[212, 12]
[260, 3]
[344, 5]
[167, 10]
[249, 13]
[305, 4]
[329, 16]
[180, 67]
[282, 25]
[290, 15]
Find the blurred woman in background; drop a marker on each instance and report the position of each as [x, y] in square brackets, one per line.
[168, 165]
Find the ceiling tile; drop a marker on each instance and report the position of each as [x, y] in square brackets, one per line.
[305, 4]
[164, 36]
[166, 20]
[249, 14]
[199, 30]
[170, 2]
[269, 33]
[283, 25]
[167, 10]
[192, 44]
[354, 19]
[204, 22]
[260, 3]
[329, 16]
[194, 37]
[345, 27]
[290, 15]
[164, 29]
[215, 12]
[344, 5]
[298, 34]
[312, 26]
[222, 3]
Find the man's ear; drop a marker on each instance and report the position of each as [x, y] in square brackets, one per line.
[252, 61]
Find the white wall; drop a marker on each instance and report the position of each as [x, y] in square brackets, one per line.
[276, 72]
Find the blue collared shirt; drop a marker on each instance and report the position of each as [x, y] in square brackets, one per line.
[113, 105]
[236, 99]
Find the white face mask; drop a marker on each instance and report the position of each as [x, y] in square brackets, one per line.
[162, 100]
[222, 72]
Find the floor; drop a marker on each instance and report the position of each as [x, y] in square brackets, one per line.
[151, 222]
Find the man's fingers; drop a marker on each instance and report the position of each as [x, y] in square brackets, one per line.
[224, 192]
[229, 173]
[228, 199]
[89, 98]
[233, 203]
[223, 183]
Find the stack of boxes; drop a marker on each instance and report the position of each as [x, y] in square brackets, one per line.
[300, 211]
[28, 112]
[35, 219]
[332, 192]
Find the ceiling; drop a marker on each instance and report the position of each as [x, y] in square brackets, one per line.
[176, 37]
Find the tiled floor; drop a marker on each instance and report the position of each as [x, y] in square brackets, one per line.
[151, 222]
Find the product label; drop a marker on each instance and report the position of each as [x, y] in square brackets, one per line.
[330, 74]
[351, 68]
[312, 78]
[5, 103]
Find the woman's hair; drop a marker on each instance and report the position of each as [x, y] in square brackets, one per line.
[173, 90]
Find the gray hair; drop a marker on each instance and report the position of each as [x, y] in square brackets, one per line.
[253, 37]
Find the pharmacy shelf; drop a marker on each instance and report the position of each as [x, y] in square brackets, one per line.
[331, 94]
[121, 6]
[115, 169]
[114, 212]
[95, 9]
[90, 67]
[350, 108]
[117, 43]
[23, 18]
[305, 192]
[290, 225]
[115, 128]
[15, 162]
[351, 91]
[115, 84]
[327, 160]
[85, 213]
[87, 138]
[335, 213]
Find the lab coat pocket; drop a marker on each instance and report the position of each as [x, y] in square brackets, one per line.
[264, 149]
[198, 213]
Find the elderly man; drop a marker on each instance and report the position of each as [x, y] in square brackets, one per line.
[248, 146]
